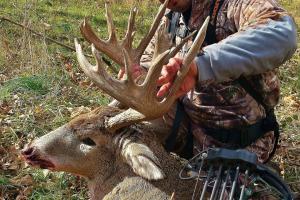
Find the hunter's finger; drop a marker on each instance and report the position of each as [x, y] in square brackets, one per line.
[164, 89]
[174, 64]
[165, 79]
[171, 68]
[169, 71]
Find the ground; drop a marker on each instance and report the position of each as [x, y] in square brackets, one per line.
[42, 88]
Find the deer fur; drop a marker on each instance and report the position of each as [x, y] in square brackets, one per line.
[129, 164]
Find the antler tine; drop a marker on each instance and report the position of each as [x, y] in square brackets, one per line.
[197, 44]
[110, 25]
[153, 74]
[176, 49]
[150, 83]
[154, 71]
[100, 69]
[128, 63]
[187, 61]
[163, 43]
[86, 66]
[163, 40]
[98, 73]
[112, 47]
[101, 45]
[146, 40]
[127, 41]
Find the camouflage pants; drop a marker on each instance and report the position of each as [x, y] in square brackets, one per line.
[261, 147]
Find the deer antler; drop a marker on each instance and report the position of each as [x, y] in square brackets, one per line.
[112, 46]
[141, 99]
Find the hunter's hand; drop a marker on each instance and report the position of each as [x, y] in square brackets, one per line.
[137, 70]
[169, 73]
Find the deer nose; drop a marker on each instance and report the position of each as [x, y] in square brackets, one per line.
[28, 151]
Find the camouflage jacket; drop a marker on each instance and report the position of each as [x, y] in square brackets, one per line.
[255, 37]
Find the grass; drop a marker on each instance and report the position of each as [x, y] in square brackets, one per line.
[41, 87]
[35, 84]
[293, 7]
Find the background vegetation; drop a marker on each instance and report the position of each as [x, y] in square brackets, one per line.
[41, 88]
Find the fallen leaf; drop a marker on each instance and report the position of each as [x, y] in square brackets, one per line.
[24, 181]
[28, 191]
[85, 83]
[47, 26]
[78, 111]
[38, 110]
[5, 108]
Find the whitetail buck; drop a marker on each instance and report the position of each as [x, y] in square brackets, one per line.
[109, 147]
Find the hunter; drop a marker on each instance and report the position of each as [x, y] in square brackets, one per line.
[228, 97]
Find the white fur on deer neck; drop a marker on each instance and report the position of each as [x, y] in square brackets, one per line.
[140, 157]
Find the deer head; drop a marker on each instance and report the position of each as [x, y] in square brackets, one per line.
[84, 147]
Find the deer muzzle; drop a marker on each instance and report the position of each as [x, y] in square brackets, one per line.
[33, 158]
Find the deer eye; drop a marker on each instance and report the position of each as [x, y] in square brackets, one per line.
[88, 141]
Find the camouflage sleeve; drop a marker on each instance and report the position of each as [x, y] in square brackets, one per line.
[265, 38]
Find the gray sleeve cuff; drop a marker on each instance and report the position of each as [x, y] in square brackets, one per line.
[253, 51]
[205, 71]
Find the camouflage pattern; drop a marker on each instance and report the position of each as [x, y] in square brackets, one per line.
[227, 105]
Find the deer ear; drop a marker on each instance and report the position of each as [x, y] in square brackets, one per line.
[142, 160]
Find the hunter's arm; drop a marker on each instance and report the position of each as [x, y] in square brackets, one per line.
[265, 38]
